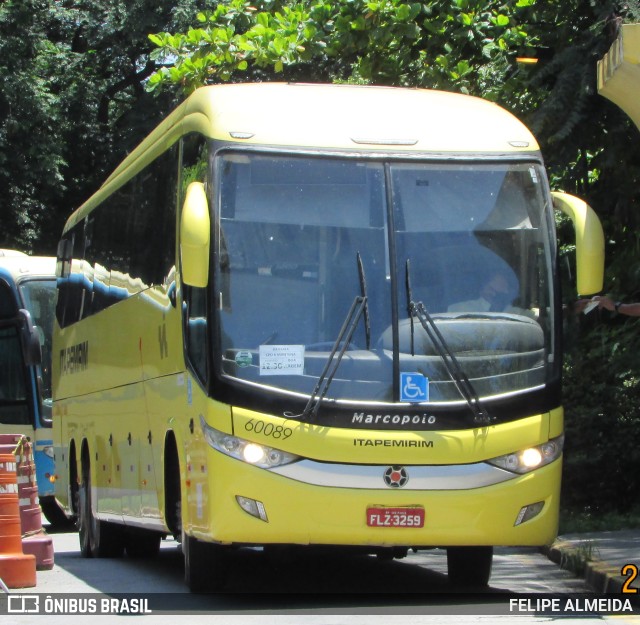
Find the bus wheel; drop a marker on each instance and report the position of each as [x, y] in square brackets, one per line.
[142, 544]
[84, 520]
[97, 538]
[469, 566]
[205, 564]
[54, 514]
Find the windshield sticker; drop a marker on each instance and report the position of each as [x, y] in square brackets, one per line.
[244, 359]
[281, 359]
[414, 387]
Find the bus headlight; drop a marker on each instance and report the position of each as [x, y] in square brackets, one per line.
[531, 458]
[252, 453]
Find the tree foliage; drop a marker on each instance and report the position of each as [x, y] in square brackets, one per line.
[72, 100]
[29, 171]
[449, 44]
[602, 395]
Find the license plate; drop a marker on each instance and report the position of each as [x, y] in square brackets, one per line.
[395, 517]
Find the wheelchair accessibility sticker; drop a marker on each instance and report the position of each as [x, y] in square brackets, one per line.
[414, 387]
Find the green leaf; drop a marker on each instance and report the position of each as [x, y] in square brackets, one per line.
[403, 12]
[279, 45]
[156, 78]
[463, 67]
[246, 45]
[156, 39]
[416, 8]
[359, 23]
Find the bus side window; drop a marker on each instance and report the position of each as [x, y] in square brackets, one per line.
[196, 330]
[71, 280]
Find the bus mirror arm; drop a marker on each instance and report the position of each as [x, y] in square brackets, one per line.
[172, 294]
[195, 236]
[589, 242]
[30, 339]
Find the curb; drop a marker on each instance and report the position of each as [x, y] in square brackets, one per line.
[600, 576]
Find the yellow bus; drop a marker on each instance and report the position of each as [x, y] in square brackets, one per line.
[316, 315]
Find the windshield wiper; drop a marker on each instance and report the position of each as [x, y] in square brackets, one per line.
[341, 344]
[450, 362]
[363, 292]
[359, 308]
[407, 285]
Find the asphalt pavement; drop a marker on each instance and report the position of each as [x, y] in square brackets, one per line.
[608, 561]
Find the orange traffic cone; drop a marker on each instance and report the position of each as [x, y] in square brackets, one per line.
[17, 570]
[34, 539]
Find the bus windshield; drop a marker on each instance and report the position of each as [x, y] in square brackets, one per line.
[299, 237]
[39, 297]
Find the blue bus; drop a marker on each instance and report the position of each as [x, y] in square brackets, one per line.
[27, 309]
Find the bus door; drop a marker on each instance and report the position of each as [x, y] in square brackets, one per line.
[38, 295]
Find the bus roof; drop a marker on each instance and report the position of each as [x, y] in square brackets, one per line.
[19, 267]
[346, 118]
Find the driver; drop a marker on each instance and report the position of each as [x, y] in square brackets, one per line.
[496, 294]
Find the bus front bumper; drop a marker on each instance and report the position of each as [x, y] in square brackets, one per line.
[289, 510]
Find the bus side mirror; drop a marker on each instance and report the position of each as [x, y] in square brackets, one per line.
[30, 339]
[195, 236]
[63, 258]
[589, 242]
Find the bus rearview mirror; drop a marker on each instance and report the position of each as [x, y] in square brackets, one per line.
[195, 236]
[30, 339]
[63, 258]
[589, 242]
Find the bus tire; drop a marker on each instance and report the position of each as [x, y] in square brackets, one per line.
[205, 565]
[469, 566]
[172, 492]
[142, 544]
[84, 520]
[98, 539]
[54, 514]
